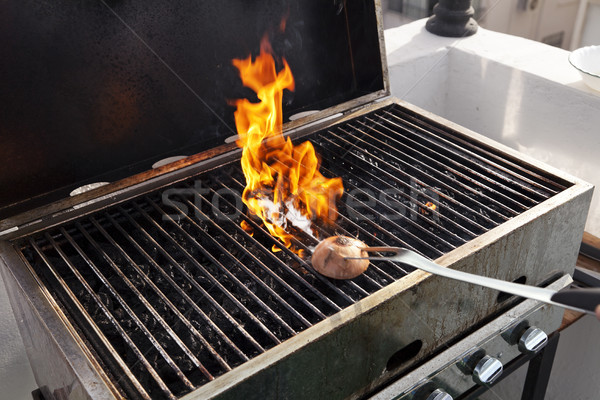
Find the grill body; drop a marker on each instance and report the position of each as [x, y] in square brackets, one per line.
[346, 348]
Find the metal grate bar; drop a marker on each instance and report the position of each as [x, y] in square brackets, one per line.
[70, 298]
[463, 217]
[263, 266]
[394, 224]
[217, 284]
[385, 186]
[203, 295]
[364, 277]
[339, 229]
[346, 220]
[417, 202]
[548, 185]
[285, 268]
[188, 304]
[423, 153]
[350, 283]
[140, 354]
[130, 313]
[222, 272]
[370, 233]
[293, 256]
[408, 234]
[395, 267]
[469, 149]
[424, 220]
[140, 297]
[343, 298]
[322, 280]
[474, 195]
[248, 255]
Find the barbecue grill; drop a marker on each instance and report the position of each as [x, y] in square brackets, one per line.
[160, 284]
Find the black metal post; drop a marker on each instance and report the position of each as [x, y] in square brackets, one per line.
[452, 18]
[538, 373]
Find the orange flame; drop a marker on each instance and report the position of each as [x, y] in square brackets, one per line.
[283, 182]
[429, 207]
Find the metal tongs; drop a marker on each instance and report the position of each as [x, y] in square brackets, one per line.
[582, 300]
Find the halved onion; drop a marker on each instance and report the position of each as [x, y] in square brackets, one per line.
[329, 257]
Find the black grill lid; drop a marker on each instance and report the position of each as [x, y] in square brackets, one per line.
[99, 90]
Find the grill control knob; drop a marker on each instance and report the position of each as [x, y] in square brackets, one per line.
[487, 370]
[439, 394]
[532, 340]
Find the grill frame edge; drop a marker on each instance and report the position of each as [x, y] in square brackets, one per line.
[65, 360]
[567, 209]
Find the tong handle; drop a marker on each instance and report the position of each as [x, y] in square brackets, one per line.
[586, 299]
[582, 300]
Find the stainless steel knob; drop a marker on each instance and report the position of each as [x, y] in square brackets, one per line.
[439, 394]
[487, 370]
[532, 340]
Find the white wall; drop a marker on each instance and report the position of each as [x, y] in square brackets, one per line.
[590, 29]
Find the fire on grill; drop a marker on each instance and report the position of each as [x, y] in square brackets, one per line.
[283, 182]
[165, 284]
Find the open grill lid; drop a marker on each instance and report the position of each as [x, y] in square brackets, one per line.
[99, 91]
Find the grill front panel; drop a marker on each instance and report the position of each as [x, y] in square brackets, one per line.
[171, 292]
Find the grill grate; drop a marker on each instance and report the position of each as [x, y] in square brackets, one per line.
[171, 292]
